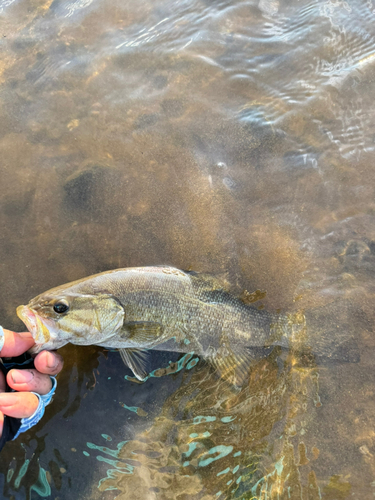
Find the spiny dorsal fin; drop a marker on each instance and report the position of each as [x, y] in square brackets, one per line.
[135, 359]
[207, 282]
[250, 298]
[142, 331]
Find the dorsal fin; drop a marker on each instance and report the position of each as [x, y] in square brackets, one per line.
[249, 298]
[206, 282]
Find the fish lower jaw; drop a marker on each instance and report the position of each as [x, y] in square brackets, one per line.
[119, 344]
[36, 349]
[47, 346]
[36, 325]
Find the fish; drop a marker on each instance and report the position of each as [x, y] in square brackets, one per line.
[140, 309]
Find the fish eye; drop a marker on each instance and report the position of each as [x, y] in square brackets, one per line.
[61, 306]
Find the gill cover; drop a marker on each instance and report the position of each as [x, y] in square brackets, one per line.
[92, 319]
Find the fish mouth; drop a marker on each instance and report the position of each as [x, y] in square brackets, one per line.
[36, 327]
[28, 317]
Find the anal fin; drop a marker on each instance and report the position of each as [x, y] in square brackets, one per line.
[135, 359]
[232, 366]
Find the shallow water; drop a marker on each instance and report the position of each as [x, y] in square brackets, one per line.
[232, 138]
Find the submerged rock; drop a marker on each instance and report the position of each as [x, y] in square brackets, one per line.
[90, 190]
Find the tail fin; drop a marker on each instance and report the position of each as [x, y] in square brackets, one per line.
[328, 331]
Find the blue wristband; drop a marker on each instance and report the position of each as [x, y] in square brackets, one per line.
[44, 400]
[2, 338]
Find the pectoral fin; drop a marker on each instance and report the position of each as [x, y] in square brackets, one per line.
[232, 366]
[142, 331]
[135, 359]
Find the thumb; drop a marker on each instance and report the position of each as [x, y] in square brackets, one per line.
[16, 343]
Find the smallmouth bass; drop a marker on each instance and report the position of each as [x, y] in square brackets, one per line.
[163, 308]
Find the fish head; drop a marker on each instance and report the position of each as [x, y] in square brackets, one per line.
[58, 317]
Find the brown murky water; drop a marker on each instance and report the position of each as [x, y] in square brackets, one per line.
[228, 137]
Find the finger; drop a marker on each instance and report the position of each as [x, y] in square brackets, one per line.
[1, 423]
[29, 381]
[49, 362]
[18, 404]
[16, 343]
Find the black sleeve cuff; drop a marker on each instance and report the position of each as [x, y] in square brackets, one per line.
[11, 424]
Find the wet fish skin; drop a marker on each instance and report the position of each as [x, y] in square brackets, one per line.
[149, 308]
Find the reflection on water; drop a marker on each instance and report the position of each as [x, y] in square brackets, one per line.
[225, 137]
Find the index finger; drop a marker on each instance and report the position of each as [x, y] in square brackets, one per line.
[49, 362]
[16, 343]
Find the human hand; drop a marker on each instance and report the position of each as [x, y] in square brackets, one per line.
[23, 403]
